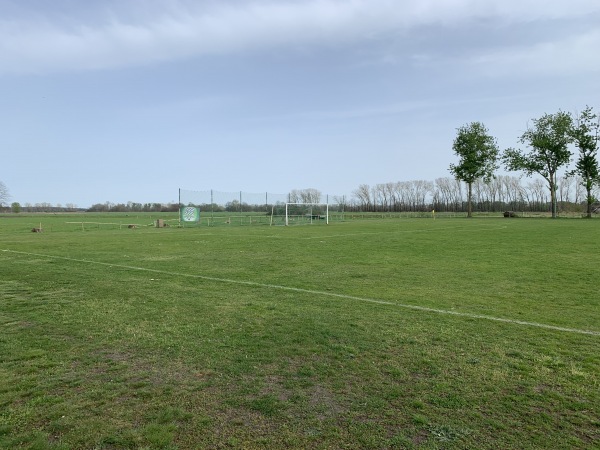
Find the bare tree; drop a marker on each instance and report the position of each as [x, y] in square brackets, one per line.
[391, 195]
[380, 194]
[518, 192]
[448, 192]
[442, 194]
[492, 191]
[479, 195]
[510, 192]
[400, 195]
[363, 194]
[340, 200]
[310, 195]
[579, 189]
[565, 183]
[4, 195]
[294, 196]
[421, 189]
[537, 192]
[411, 195]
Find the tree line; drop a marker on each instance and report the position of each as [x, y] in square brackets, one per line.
[548, 139]
[448, 194]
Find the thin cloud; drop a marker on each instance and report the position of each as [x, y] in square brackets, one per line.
[571, 55]
[428, 106]
[164, 31]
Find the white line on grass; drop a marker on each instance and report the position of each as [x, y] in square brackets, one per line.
[313, 292]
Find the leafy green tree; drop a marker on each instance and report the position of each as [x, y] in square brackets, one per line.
[549, 138]
[478, 154]
[585, 134]
[15, 207]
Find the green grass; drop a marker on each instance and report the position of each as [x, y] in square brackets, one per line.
[300, 337]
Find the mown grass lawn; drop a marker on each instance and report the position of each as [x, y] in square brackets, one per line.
[301, 337]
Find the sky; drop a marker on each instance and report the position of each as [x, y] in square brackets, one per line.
[131, 100]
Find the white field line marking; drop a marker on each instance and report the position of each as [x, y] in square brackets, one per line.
[314, 292]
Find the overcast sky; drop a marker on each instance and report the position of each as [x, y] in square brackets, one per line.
[129, 100]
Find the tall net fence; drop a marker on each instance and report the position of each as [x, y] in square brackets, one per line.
[246, 208]
[231, 201]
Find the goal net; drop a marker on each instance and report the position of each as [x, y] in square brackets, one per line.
[306, 213]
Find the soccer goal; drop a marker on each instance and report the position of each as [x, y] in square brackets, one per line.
[306, 213]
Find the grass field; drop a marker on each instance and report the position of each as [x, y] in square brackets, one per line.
[406, 333]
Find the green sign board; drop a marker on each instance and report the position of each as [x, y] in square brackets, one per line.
[189, 214]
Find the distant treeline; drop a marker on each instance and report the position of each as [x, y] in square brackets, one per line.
[503, 193]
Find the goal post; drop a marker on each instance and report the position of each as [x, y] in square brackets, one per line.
[306, 213]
